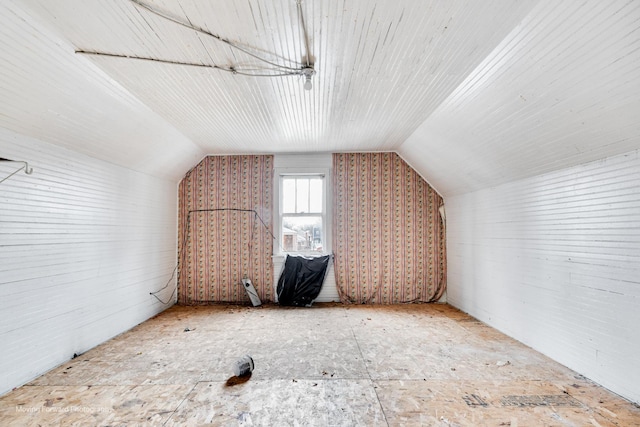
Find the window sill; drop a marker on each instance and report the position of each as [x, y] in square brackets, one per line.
[282, 257]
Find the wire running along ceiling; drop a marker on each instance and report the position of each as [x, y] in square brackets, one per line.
[267, 65]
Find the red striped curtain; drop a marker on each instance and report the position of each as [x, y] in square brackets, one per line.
[388, 236]
[221, 238]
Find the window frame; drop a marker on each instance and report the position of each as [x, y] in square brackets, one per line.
[324, 173]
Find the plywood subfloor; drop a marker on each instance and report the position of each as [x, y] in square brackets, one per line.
[329, 365]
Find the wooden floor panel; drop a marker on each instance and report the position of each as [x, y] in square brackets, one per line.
[329, 365]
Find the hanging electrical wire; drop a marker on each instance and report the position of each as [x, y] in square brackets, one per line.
[186, 236]
[215, 36]
[307, 71]
[275, 69]
[304, 30]
[25, 166]
[245, 72]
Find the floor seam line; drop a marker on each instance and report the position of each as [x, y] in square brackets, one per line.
[384, 415]
[181, 402]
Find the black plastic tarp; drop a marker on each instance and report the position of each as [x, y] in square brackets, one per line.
[301, 279]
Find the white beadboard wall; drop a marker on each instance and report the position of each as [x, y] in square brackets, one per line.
[554, 261]
[82, 244]
[309, 162]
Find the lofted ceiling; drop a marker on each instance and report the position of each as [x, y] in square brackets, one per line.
[471, 93]
[563, 88]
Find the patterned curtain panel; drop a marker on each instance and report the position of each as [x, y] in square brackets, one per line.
[388, 236]
[225, 229]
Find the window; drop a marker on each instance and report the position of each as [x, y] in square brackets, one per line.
[302, 213]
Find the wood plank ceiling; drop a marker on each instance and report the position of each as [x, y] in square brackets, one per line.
[471, 93]
[562, 89]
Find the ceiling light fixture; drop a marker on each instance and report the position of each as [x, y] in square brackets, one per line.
[308, 72]
[273, 69]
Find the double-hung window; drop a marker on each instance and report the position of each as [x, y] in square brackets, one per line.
[303, 213]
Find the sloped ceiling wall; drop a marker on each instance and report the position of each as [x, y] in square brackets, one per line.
[49, 93]
[472, 94]
[563, 88]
